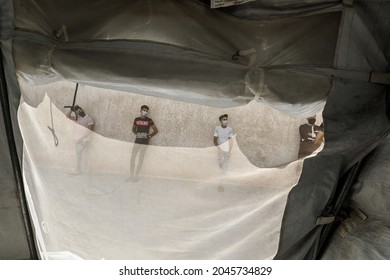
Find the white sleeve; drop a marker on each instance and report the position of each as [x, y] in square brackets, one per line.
[216, 132]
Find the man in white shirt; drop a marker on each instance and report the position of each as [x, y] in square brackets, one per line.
[81, 133]
[222, 140]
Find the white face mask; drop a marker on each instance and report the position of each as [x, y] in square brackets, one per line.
[224, 123]
[144, 113]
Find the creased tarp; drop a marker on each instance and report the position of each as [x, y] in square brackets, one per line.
[13, 242]
[175, 211]
[150, 69]
[313, 91]
[190, 25]
[361, 124]
[189, 76]
[13, 235]
[375, 16]
[194, 66]
[365, 231]
[355, 122]
[357, 48]
[271, 8]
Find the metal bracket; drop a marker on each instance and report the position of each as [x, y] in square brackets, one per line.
[325, 220]
[380, 78]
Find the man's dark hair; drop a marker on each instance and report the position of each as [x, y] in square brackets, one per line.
[223, 116]
[144, 107]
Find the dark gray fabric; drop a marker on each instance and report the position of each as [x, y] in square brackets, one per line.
[13, 243]
[370, 194]
[376, 17]
[355, 122]
[268, 8]
[13, 237]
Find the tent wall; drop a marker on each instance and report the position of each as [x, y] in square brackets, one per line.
[364, 231]
[355, 122]
[48, 43]
[16, 241]
[13, 241]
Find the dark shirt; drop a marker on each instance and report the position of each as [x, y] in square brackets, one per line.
[142, 128]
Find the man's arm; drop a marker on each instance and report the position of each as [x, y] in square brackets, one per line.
[230, 144]
[230, 141]
[155, 131]
[216, 141]
[134, 129]
[319, 138]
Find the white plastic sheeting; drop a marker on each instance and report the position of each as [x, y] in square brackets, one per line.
[180, 50]
[175, 211]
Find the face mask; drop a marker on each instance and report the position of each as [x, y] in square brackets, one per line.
[224, 123]
[311, 121]
[144, 113]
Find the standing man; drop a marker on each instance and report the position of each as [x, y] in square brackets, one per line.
[141, 127]
[222, 140]
[308, 133]
[82, 133]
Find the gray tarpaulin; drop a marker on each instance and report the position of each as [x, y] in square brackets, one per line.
[268, 64]
[364, 231]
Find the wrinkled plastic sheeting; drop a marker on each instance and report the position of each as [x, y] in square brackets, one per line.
[283, 95]
[180, 50]
[11, 219]
[358, 49]
[355, 122]
[271, 8]
[175, 211]
[176, 74]
[187, 24]
[375, 16]
[364, 232]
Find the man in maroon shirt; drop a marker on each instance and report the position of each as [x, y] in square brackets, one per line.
[141, 127]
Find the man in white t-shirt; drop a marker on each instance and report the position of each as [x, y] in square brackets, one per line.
[81, 133]
[222, 140]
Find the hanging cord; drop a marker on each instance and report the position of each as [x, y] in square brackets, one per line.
[52, 129]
